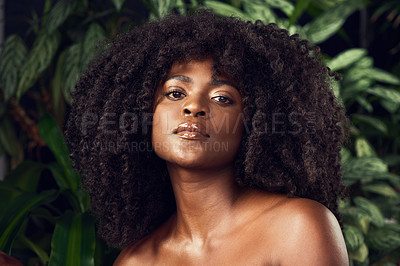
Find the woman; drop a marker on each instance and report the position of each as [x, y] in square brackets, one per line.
[211, 141]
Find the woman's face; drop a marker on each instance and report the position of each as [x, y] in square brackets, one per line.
[198, 120]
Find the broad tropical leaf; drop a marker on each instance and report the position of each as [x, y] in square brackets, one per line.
[53, 137]
[346, 59]
[39, 58]
[73, 241]
[225, 10]
[12, 58]
[118, 4]
[11, 220]
[329, 23]
[59, 13]
[353, 237]
[371, 209]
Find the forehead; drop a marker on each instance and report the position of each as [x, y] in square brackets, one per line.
[205, 65]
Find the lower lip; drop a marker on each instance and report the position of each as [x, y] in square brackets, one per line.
[191, 135]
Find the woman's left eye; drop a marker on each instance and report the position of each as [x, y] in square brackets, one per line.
[222, 99]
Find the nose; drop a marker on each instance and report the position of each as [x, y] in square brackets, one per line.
[195, 107]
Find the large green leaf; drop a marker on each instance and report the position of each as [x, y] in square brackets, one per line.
[284, 5]
[225, 10]
[388, 94]
[72, 69]
[118, 4]
[39, 58]
[301, 5]
[382, 76]
[57, 89]
[158, 8]
[78, 57]
[59, 13]
[362, 168]
[94, 34]
[327, 24]
[384, 238]
[372, 121]
[259, 11]
[14, 215]
[364, 148]
[73, 241]
[24, 178]
[346, 58]
[44, 258]
[380, 188]
[356, 216]
[53, 137]
[360, 254]
[8, 138]
[12, 58]
[353, 237]
[371, 209]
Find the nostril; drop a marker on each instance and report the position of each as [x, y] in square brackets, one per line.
[187, 111]
[201, 113]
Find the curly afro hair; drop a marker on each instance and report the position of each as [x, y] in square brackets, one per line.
[294, 125]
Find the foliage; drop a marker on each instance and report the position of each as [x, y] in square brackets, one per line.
[52, 225]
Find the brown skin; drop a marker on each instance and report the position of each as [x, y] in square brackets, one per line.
[217, 222]
[7, 260]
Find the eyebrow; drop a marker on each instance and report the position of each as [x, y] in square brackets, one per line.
[214, 82]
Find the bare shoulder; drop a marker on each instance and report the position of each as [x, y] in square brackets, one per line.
[135, 254]
[307, 233]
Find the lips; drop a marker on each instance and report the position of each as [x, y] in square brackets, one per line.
[191, 130]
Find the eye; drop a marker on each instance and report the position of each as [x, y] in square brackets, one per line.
[222, 99]
[174, 95]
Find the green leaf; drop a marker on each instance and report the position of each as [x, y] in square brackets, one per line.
[284, 5]
[72, 69]
[301, 5]
[57, 88]
[353, 237]
[356, 216]
[346, 58]
[364, 148]
[383, 76]
[94, 34]
[59, 13]
[388, 94]
[361, 254]
[73, 240]
[381, 189]
[390, 106]
[39, 58]
[225, 10]
[362, 168]
[160, 9]
[44, 258]
[8, 138]
[372, 210]
[365, 103]
[78, 57]
[53, 137]
[372, 121]
[11, 220]
[385, 238]
[345, 154]
[118, 4]
[12, 58]
[331, 21]
[259, 11]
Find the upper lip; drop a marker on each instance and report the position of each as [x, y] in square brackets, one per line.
[191, 127]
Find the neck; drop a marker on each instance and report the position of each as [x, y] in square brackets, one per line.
[204, 200]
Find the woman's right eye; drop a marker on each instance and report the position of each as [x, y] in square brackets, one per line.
[174, 95]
